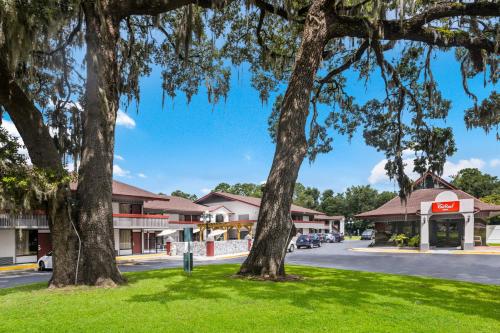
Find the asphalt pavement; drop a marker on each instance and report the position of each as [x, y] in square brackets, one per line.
[473, 268]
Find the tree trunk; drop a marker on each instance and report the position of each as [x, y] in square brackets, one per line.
[44, 155]
[274, 223]
[96, 166]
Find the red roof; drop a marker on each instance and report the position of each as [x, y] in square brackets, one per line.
[255, 202]
[175, 205]
[396, 207]
[122, 189]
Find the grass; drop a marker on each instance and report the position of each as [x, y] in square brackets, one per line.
[352, 237]
[493, 244]
[327, 300]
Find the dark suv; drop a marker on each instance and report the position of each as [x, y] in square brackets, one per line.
[308, 241]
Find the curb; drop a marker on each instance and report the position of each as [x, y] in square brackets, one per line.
[457, 252]
[21, 267]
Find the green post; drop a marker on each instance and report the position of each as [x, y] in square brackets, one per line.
[188, 255]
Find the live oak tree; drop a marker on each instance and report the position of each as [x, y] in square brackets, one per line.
[38, 39]
[395, 41]
[28, 84]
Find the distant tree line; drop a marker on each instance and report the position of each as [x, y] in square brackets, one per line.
[481, 185]
[361, 198]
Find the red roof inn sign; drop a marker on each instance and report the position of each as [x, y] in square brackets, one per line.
[447, 202]
[446, 206]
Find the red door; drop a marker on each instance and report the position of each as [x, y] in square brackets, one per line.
[136, 243]
[44, 244]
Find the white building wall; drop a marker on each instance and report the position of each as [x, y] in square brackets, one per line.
[238, 208]
[116, 207]
[116, 234]
[492, 234]
[173, 217]
[7, 244]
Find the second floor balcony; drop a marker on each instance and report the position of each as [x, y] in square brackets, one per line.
[23, 221]
[128, 221]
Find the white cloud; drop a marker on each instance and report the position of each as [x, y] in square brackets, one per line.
[451, 169]
[12, 130]
[205, 190]
[141, 175]
[378, 174]
[247, 157]
[263, 182]
[124, 120]
[495, 163]
[119, 157]
[119, 172]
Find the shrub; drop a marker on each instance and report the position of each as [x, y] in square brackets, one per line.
[414, 241]
[399, 239]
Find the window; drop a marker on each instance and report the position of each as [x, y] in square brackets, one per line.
[219, 218]
[126, 208]
[244, 217]
[125, 240]
[26, 242]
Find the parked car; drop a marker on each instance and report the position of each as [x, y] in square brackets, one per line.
[308, 241]
[45, 262]
[368, 234]
[322, 238]
[339, 236]
[292, 245]
[334, 237]
[330, 238]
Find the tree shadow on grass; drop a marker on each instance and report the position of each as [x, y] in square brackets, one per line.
[322, 286]
[23, 288]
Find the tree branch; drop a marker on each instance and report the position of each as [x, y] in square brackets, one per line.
[29, 122]
[153, 7]
[445, 10]
[345, 26]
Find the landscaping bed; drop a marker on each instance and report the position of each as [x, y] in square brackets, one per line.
[210, 300]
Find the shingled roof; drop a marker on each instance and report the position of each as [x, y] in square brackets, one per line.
[412, 207]
[175, 205]
[256, 202]
[126, 190]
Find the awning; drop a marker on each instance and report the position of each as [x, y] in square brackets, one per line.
[167, 232]
[216, 233]
[196, 230]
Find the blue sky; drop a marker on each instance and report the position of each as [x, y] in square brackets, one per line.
[194, 147]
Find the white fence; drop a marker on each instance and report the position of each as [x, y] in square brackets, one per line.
[493, 234]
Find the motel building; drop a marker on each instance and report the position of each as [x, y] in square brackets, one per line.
[144, 221]
[137, 230]
[235, 216]
[442, 215]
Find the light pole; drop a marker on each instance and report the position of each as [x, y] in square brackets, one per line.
[350, 223]
[206, 218]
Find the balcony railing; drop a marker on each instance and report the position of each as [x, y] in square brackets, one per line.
[127, 221]
[23, 221]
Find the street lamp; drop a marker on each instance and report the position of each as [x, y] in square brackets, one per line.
[350, 223]
[206, 218]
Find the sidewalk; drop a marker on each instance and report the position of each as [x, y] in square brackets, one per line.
[131, 259]
[481, 250]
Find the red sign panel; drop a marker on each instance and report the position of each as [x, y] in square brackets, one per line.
[446, 206]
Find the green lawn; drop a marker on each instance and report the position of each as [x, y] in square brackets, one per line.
[327, 300]
[352, 237]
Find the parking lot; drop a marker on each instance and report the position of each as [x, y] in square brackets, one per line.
[474, 268]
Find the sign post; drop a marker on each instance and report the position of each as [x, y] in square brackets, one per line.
[188, 251]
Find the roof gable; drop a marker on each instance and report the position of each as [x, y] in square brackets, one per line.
[254, 202]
